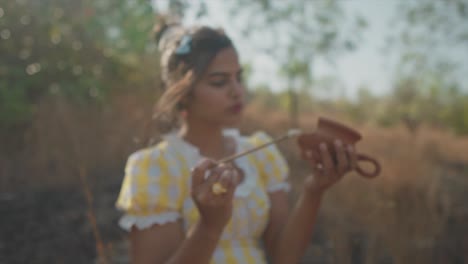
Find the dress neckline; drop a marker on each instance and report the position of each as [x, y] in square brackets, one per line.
[193, 155]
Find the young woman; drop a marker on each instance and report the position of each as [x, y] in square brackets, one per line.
[173, 211]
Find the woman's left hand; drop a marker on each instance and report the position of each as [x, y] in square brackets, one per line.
[324, 172]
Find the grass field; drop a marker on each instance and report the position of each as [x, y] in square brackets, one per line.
[57, 193]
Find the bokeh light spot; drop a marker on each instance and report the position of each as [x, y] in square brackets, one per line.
[5, 34]
[33, 68]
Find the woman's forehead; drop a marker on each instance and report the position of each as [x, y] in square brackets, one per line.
[226, 60]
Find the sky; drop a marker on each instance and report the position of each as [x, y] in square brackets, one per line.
[365, 66]
[368, 65]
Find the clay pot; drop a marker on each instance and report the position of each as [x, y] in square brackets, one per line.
[327, 131]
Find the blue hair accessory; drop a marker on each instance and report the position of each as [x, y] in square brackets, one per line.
[184, 45]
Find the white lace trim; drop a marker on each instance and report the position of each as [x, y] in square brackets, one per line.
[282, 186]
[142, 222]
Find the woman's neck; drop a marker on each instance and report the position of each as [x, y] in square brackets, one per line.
[209, 140]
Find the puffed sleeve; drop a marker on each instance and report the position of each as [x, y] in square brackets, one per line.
[272, 166]
[152, 190]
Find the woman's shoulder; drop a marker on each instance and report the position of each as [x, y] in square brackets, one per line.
[152, 190]
[154, 152]
[153, 160]
[148, 170]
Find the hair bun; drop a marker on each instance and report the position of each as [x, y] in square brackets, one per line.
[164, 30]
[160, 28]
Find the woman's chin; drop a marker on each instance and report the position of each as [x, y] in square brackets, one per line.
[233, 121]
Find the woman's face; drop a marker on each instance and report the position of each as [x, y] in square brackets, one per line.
[218, 97]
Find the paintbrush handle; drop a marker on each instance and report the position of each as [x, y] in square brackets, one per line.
[240, 154]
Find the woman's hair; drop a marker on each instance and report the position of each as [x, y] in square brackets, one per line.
[185, 54]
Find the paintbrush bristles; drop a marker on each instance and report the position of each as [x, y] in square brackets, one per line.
[294, 132]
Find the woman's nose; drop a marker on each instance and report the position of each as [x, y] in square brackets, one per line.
[237, 90]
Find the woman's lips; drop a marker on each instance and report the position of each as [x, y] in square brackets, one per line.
[235, 109]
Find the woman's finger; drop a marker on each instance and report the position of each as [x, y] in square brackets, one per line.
[210, 175]
[226, 178]
[343, 163]
[352, 157]
[213, 176]
[310, 154]
[198, 173]
[326, 159]
[221, 190]
[313, 158]
[204, 191]
[316, 165]
[220, 187]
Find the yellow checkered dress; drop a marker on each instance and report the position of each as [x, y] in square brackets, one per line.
[156, 190]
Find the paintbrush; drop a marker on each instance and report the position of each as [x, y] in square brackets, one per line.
[291, 133]
[217, 188]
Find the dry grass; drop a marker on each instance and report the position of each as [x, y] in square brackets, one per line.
[415, 212]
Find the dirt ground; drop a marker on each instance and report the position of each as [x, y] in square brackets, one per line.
[52, 226]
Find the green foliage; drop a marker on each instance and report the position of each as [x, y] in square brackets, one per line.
[407, 104]
[265, 97]
[13, 108]
[430, 36]
[79, 49]
[413, 102]
[299, 32]
[428, 39]
[84, 50]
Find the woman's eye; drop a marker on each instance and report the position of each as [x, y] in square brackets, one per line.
[218, 83]
[240, 78]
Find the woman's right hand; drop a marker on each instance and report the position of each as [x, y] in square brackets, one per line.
[215, 209]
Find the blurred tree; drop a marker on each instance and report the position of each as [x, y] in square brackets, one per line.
[428, 42]
[265, 97]
[364, 108]
[79, 49]
[296, 34]
[430, 35]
